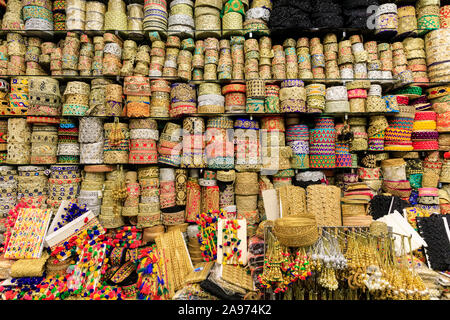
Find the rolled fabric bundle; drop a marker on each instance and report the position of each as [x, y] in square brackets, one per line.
[394, 169]
[432, 169]
[149, 206]
[193, 198]
[167, 188]
[155, 16]
[444, 16]
[114, 100]
[160, 99]
[184, 61]
[424, 135]
[181, 19]
[135, 18]
[272, 99]
[19, 141]
[375, 103]
[76, 98]
[68, 147]
[247, 144]
[43, 144]
[183, 99]
[235, 98]
[427, 17]
[322, 144]
[143, 151]
[207, 19]
[115, 16]
[193, 155]
[95, 15]
[407, 22]
[12, 19]
[8, 184]
[37, 17]
[18, 97]
[97, 97]
[170, 145]
[4, 136]
[360, 138]
[112, 54]
[292, 96]
[220, 143]
[435, 43]
[70, 54]
[386, 19]
[237, 57]
[44, 96]
[32, 185]
[298, 139]
[337, 100]
[91, 153]
[398, 134]
[246, 183]
[64, 182]
[210, 196]
[226, 195]
[257, 18]
[90, 191]
[315, 97]
[211, 103]
[76, 14]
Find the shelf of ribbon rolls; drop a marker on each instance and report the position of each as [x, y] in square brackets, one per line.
[187, 128]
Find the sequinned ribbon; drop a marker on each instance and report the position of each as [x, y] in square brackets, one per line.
[233, 6]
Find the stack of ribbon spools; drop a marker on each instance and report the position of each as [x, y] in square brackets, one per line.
[160, 99]
[207, 18]
[193, 143]
[32, 186]
[322, 153]
[38, 15]
[68, 146]
[293, 96]
[91, 190]
[424, 136]
[143, 139]
[138, 93]
[183, 99]
[91, 140]
[131, 204]
[247, 146]
[398, 134]
[44, 140]
[64, 183]
[297, 137]
[8, 187]
[19, 141]
[149, 205]
[155, 16]
[220, 143]
[170, 145]
[181, 18]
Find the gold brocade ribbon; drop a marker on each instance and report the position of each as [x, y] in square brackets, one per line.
[233, 6]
